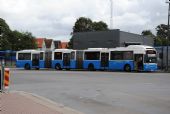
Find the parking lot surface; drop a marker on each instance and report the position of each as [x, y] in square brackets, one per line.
[98, 92]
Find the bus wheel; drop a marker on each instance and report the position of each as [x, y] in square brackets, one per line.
[57, 67]
[37, 68]
[127, 68]
[67, 68]
[27, 67]
[91, 67]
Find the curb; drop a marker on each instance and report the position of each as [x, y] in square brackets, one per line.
[48, 103]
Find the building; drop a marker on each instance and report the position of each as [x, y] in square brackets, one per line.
[57, 44]
[108, 39]
[49, 44]
[64, 45]
[41, 43]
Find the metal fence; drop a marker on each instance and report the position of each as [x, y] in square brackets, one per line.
[162, 56]
[9, 57]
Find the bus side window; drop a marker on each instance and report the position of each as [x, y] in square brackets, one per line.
[24, 56]
[116, 55]
[58, 55]
[20, 56]
[41, 56]
[128, 55]
[92, 55]
[73, 55]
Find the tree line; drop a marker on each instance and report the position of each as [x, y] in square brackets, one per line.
[161, 37]
[15, 40]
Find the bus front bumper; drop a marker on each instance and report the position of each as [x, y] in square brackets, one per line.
[150, 67]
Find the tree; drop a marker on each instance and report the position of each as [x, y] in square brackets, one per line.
[70, 43]
[28, 40]
[147, 33]
[162, 33]
[4, 28]
[99, 26]
[157, 40]
[84, 24]
[15, 40]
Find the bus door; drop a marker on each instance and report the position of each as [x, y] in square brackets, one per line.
[104, 60]
[79, 59]
[35, 59]
[48, 56]
[138, 62]
[66, 59]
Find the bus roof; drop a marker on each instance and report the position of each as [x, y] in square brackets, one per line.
[28, 51]
[63, 50]
[120, 49]
[97, 49]
[138, 49]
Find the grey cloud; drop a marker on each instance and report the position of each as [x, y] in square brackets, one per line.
[55, 18]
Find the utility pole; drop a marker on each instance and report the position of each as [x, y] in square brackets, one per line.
[111, 14]
[167, 54]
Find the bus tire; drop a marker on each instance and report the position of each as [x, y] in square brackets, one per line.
[67, 68]
[37, 68]
[127, 68]
[91, 67]
[27, 67]
[58, 66]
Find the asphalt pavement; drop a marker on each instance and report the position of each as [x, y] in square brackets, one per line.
[98, 92]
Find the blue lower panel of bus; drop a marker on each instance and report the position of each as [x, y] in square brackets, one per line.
[95, 63]
[73, 64]
[150, 67]
[21, 64]
[60, 62]
[120, 65]
[41, 64]
[55, 62]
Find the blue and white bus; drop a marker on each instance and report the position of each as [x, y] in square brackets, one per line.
[145, 57]
[131, 58]
[121, 59]
[64, 59]
[29, 59]
[96, 59]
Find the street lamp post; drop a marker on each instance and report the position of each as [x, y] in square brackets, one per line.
[111, 14]
[167, 54]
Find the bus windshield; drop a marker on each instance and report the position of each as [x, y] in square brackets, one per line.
[150, 59]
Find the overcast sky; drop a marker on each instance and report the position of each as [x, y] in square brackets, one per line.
[55, 18]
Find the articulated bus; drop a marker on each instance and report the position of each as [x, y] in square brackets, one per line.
[28, 59]
[96, 59]
[121, 59]
[131, 58]
[63, 59]
[67, 59]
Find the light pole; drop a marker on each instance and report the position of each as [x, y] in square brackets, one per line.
[111, 14]
[167, 1]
